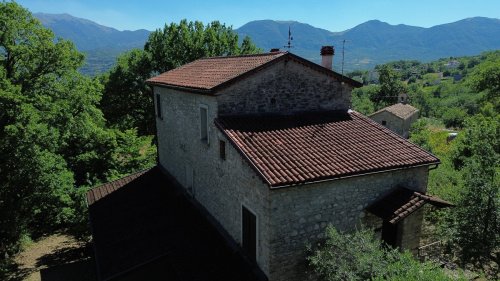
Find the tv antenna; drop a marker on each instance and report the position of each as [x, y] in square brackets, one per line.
[343, 51]
[290, 39]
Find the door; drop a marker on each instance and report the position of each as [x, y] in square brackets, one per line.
[390, 233]
[249, 232]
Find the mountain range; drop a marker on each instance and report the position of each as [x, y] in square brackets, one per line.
[365, 45]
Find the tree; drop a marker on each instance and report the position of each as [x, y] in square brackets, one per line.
[390, 86]
[361, 256]
[361, 99]
[127, 101]
[478, 213]
[52, 135]
[486, 77]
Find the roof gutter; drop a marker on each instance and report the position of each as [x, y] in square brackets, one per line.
[353, 176]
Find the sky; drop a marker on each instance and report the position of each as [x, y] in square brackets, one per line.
[333, 15]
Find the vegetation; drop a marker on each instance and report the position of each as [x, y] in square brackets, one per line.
[458, 95]
[449, 90]
[62, 133]
[361, 256]
[53, 140]
[127, 101]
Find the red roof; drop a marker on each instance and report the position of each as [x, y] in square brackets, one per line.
[402, 202]
[296, 149]
[97, 193]
[209, 73]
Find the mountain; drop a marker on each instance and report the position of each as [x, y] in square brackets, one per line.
[101, 44]
[375, 42]
[366, 45]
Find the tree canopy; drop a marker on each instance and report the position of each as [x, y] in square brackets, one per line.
[127, 100]
[53, 137]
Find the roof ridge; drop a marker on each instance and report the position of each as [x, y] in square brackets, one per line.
[390, 107]
[122, 178]
[245, 55]
[391, 133]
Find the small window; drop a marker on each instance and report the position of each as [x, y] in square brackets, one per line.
[204, 123]
[384, 122]
[158, 106]
[222, 149]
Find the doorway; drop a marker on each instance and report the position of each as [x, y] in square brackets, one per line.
[249, 232]
[390, 233]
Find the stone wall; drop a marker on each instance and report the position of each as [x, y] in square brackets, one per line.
[299, 215]
[410, 230]
[284, 87]
[398, 125]
[221, 186]
[393, 122]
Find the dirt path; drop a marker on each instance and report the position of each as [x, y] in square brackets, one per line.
[56, 257]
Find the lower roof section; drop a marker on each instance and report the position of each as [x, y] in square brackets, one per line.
[143, 228]
[301, 148]
[402, 202]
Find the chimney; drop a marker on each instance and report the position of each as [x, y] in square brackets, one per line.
[327, 53]
[274, 50]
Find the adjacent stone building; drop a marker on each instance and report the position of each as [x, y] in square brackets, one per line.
[397, 117]
[268, 146]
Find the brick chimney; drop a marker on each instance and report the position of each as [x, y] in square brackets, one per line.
[327, 53]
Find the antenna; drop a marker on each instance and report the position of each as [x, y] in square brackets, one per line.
[343, 49]
[290, 39]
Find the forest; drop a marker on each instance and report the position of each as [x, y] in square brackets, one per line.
[62, 133]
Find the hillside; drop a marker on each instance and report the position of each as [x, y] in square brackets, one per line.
[375, 42]
[101, 44]
[370, 43]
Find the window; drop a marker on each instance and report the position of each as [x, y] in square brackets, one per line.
[384, 122]
[204, 123]
[158, 106]
[222, 149]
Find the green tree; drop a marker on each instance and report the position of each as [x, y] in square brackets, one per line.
[390, 86]
[486, 77]
[127, 100]
[361, 256]
[52, 134]
[361, 99]
[478, 213]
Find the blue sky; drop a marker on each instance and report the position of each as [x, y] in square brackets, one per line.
[333, 15]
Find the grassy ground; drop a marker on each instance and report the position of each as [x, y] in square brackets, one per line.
[56, 257]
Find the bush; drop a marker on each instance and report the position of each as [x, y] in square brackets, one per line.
[361, 256]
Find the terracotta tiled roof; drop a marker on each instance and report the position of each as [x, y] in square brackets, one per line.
[104, 190]
[319, 146]
[401, 202]
[209, 73]
[400, 110]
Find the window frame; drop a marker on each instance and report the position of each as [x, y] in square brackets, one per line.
[206, 139]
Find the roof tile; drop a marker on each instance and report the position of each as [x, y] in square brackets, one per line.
[402, 202]
[307, 147]
[399, 109]
[208, 73]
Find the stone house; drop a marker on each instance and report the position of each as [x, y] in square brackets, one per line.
[268, 146]
[397, 117]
